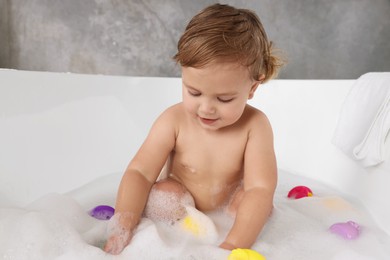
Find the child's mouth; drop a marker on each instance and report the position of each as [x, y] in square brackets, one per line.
[207, 121]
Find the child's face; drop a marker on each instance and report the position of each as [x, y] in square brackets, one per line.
[216, 95]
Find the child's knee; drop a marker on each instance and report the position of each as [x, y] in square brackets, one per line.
[167, 201]
[169, 185]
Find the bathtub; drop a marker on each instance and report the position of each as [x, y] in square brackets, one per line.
[60, 131]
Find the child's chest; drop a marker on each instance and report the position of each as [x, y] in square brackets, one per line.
[210, 154]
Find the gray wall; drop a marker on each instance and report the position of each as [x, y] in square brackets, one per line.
[322, 38]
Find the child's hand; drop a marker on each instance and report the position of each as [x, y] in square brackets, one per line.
[227, 246]
[116, 243]
[119, 233]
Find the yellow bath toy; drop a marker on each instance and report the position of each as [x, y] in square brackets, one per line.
[199, 225]
[245, 254]
[191, 225]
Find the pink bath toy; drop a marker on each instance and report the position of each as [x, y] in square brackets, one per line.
[300, 192]
[348, 230]
[102, 212]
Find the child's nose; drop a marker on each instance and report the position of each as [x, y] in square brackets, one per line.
[207, 107]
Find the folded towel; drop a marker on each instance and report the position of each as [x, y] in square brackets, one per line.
[364, 121]
[371, 150]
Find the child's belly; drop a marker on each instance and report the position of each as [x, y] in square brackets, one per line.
[208, 196]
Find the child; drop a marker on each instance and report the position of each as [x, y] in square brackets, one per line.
[220, 149]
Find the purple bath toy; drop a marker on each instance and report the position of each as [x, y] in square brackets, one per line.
[102, 212]
[348, 230]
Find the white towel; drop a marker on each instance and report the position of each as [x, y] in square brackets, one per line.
[364, 121]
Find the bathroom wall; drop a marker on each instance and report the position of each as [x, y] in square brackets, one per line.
[4, 40]
[322, 39]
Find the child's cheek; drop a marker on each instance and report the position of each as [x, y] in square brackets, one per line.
[189, 105]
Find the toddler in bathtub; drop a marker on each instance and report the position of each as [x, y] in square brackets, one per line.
[220, 149]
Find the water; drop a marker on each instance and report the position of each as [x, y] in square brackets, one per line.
[58, 227]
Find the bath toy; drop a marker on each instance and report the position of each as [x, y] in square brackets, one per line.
[245, 254]
[300, 192]
[336, 204]
[102, 212]
[199, 225]
[192, 226]
[348, 230]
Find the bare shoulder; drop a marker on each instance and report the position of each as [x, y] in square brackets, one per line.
[173, 111]
[256, 119]
[172, 115]
[170, 121]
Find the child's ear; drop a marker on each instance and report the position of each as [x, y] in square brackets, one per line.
[253, 89]
[255, 86]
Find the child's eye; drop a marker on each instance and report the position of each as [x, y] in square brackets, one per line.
[225, 100]
[194, 93]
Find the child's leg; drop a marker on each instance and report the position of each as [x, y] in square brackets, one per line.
[167, 200]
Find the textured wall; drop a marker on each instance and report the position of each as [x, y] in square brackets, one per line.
[322, 38]
[4, 35]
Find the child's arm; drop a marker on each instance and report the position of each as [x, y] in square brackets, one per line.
[138, 179]
[132, 195]
[260, 178]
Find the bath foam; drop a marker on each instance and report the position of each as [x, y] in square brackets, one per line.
[58, 226]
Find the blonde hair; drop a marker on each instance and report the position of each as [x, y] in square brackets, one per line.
[224, 33]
